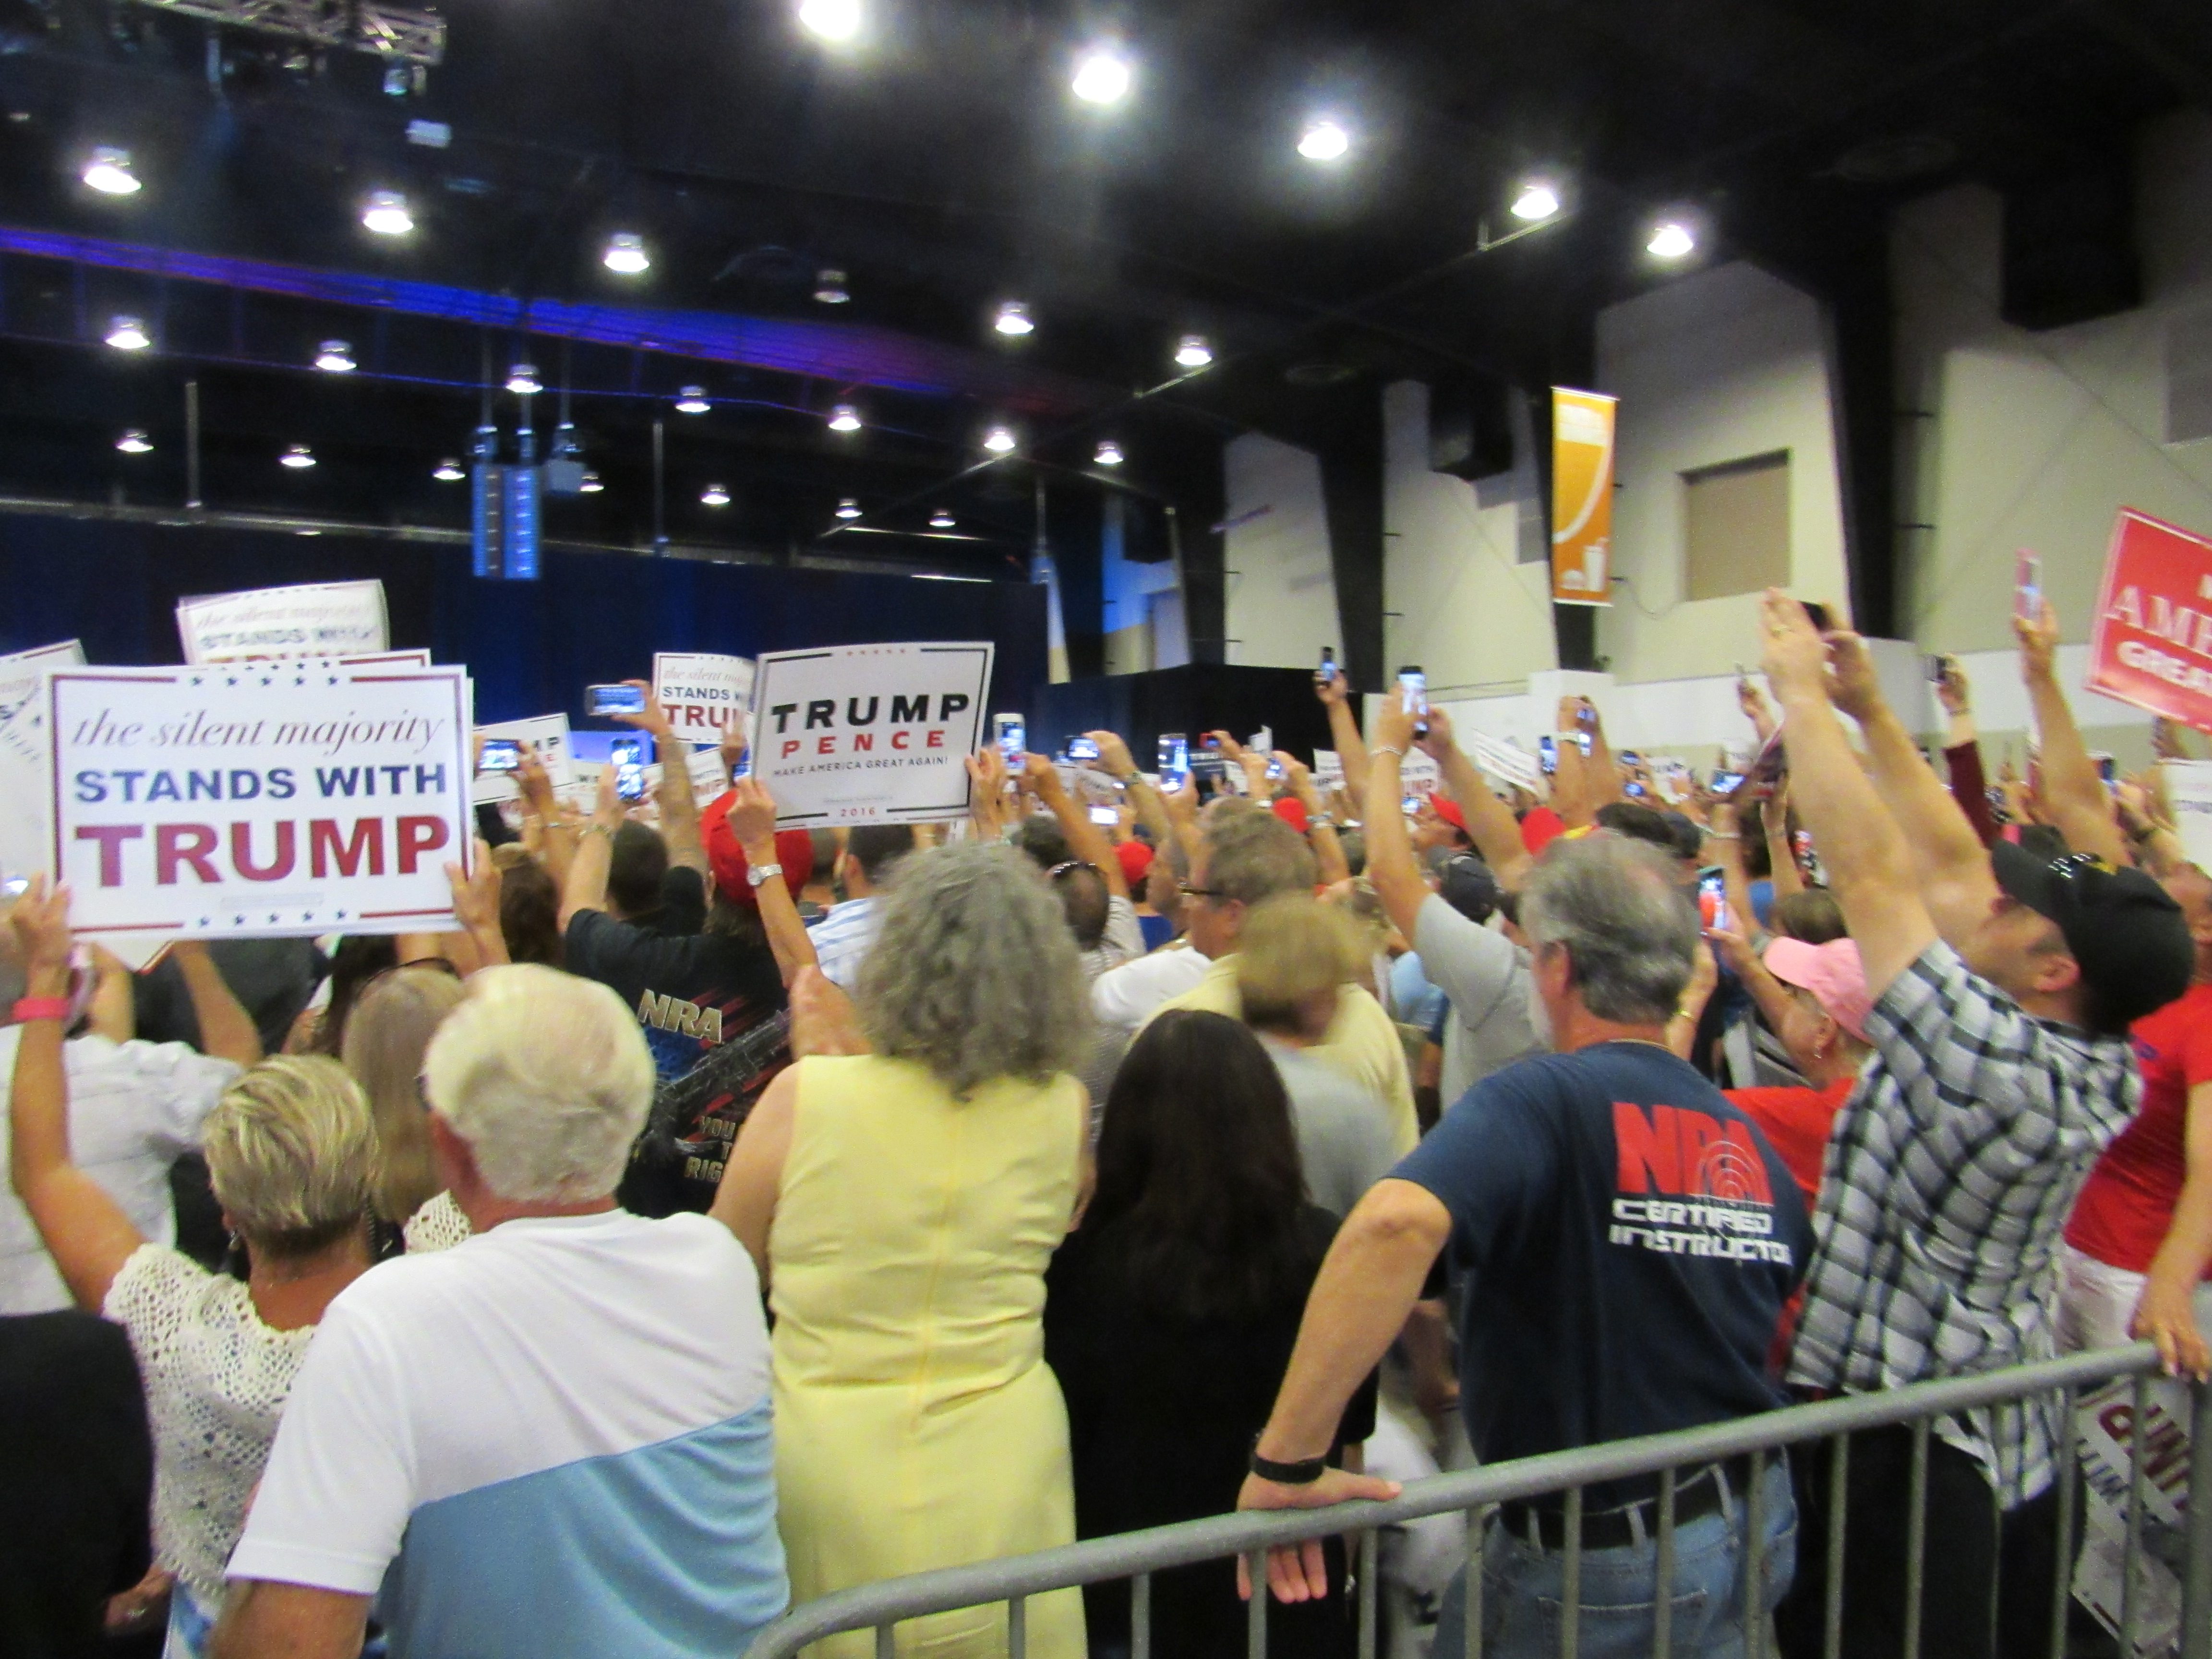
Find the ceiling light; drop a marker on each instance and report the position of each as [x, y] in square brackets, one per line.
[999, 440]
[128, 334]
[1109, 454]
[830, 288]
[449, 471]
[940, 519]
[849, 508]
[1103, 76]
[1013, 318]
[522, 382]
[590, 484]
[844, 418]
[298, 457]
[1670, 240]
[1324, 141]
[135, 442]
[626, 254]
[714, 496]
[1192, 352]
[692, 400]
[1537, 200]
[831, 20]
[385, 213]
[109, 171]
[335, 357]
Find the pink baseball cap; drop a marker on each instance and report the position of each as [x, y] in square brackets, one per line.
[1831, 972]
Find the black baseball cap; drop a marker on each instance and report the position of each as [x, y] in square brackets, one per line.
[1467, 884]
[2129, 937]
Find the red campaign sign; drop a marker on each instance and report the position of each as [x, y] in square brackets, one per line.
[2153, 643]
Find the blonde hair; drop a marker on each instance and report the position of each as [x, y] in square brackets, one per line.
[291, 1151]
[1291, 949]
[390, 1032]
[547, 1077]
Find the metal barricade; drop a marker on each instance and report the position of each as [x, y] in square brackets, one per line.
[1136, 1556]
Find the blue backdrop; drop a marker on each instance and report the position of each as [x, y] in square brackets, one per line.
[531, 646]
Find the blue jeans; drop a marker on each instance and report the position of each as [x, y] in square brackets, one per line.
[1521, 1586]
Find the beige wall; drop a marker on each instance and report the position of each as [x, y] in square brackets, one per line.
[1281, 587]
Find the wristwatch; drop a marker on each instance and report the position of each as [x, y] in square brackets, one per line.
[1304, 1472]
[758, 873]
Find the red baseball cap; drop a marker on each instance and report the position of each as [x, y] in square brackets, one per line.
[1136, 860]
[794, 851]
[1448, 811]
[1293, 812]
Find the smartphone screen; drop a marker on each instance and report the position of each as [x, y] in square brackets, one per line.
[1274, 768]
[1634, 790]
[2108, 768]
[1727, 783]
[1082, 749]
[1411, 807]
[1712, 900]
[1327, 669]
[2027, 586]
[1414, 690]
[627, 757]
[499, 755]
[614, 700]
[1935, 671]
[1174, 758]
[1818, 613]
[1547, 754]
[1011, 733]
[15, 887]
[743, 768]
[1629, 757]
[1104, 816]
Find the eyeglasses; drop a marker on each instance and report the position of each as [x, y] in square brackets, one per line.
[1061, 869]
[1189, 891]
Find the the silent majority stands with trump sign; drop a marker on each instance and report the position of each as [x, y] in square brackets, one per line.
[2152, 645]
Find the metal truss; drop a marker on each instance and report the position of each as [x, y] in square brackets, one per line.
[407, 34]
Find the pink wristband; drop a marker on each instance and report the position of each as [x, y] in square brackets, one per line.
[30, 1008]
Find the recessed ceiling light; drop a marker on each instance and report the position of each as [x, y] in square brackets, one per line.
[128, 334]
[940, 519]
[831, 19]
[1101, 76]
[385, 213]
[1324, 141]
[999, 440]
[135, 442]
[626, 254]
[844, 418]
[335, 357]
[1013, 318]
[298, 458]
[1192, 352]
[714, 496]
[1537, 200]
[449, 471]
[109, 171]
[1670, 240]
[1109, 454]
[849, 508]
[830, 288]
[590, 484]
[522, 382]
[692, 400]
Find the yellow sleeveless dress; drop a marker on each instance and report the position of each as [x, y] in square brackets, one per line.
[916, 1423]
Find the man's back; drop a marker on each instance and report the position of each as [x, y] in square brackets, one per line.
[555, 1437]
[1628, 1240]
[1345, 1141]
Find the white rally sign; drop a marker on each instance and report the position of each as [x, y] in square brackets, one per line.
[2189, 787]
[869, 733]
[702, 694]
[317, 619]
[301, 797]
[548, 734]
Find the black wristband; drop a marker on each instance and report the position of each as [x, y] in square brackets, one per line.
[1304, 1472]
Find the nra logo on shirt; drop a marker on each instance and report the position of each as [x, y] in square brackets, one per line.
[1692, 1184]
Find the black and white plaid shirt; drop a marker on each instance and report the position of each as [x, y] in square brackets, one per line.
[1949, 1175]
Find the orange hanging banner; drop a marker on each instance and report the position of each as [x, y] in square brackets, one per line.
[1582, 496]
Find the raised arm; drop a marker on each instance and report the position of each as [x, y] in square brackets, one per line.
[1601, 778]
[1391, 865]
[1116, 761]
[475, 906]
[1870, 863]
[1490, 821]
[1949, 864]
[227, 1031]
[679, 805]
[752, 821]
[1086, 840]
[1781, 851]
[1336, 694]
[84, 1229]
[1330, 865]
[587, 886]
[2074, 796]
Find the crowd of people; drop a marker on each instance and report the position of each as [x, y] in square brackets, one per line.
[719, 1217]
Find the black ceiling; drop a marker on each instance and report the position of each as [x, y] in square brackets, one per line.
[943, 166]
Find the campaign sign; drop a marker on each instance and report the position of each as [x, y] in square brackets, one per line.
[703, 694]
[316, 619]
[869, 733]
[2152, 645]
[548, 734]
[301, 797]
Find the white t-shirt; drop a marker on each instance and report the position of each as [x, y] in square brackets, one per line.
[552, 1439]
[1124, 998]
[134, 1108]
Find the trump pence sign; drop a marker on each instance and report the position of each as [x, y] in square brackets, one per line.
[869, 733]
[305, 796]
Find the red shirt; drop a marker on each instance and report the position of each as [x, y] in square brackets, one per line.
[2127, 1205]
[1795, 1122]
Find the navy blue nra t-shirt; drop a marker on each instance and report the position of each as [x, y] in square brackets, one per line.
[1625, 1240]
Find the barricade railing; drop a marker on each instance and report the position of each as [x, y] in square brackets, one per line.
[1475, 1492]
